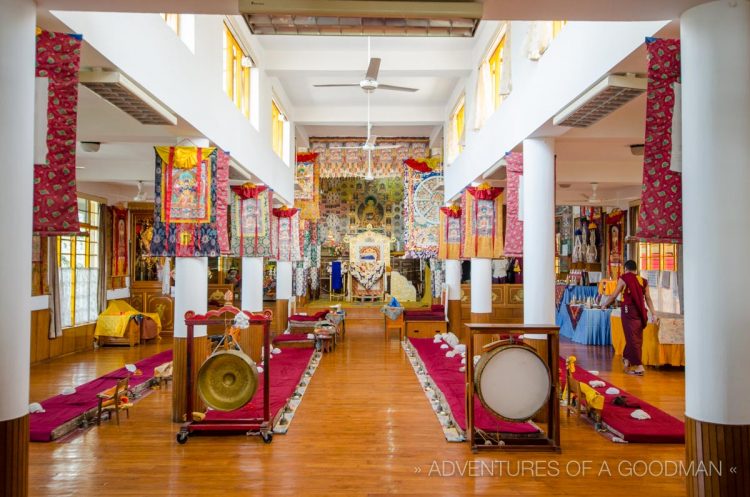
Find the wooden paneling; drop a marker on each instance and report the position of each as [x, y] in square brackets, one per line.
[14, 457]
[76, 339]
[179, 375]
[281, 315]
[714, 446]
[480, 340]
[507, 304]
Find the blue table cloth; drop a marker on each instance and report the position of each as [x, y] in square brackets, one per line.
[579, 292]
[593, 327]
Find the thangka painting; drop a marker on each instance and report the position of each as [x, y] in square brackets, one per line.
[251, 220]
[337, 162]
[285, 234]
[514, 224]
[187, 185]
[350, 204]
[661, 200]
[483, 222]
[119, 242]
[307, 197]
[616, 243]
[55, 192]
[423, 196]
[451, 232]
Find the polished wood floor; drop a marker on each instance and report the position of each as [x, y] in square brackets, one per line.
[364, 428]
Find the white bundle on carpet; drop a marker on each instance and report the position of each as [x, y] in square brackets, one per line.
[640, 414]
[277, 350]
[460, 348]
[597, 384]
[462, 369]
[311, 336]
[68, 391]
[444, 336]
[594, 372]
[476, 359]
[445, 346]
[438, 338]
[463, 361]
[260, 369]
[612, 391]
[36, 407]
[452, 340]
[131, 368]
[450, 353]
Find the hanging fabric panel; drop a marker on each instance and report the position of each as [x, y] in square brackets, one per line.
[514, 224]
[285, 244]
[423, 195]
[451, 233]
[661, 200]
[55, 192]
[483, 222]
[251, 221]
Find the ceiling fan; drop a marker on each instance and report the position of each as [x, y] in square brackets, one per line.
[592, 199]
[370, 83]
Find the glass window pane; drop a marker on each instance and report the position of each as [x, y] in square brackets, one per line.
[93, 295]
[65, 245]
[81, 246]
[94, 260]
[93, 235]
[65, 292]
[94, 220]
[82, 295]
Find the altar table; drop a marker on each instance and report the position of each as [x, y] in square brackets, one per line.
[592, 328]
[654, 353]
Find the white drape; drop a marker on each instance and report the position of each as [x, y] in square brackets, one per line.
[485, 99]
[538, 39]
[676, 163]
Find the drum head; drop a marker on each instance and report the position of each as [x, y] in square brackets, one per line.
[513, 382]
[227, 380]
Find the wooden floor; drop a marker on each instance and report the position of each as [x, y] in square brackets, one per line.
[364, 428]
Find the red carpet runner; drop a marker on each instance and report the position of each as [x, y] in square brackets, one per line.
[661, 428]
[287, 370]
[61, 409]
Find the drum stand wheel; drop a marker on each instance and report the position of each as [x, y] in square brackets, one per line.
[182, 437]
[267, 437]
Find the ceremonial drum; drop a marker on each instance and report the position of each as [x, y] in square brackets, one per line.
[512, 381]
[227, 380]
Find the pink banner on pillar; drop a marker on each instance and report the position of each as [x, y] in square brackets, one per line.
[513, 226]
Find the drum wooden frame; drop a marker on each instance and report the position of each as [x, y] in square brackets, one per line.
[546, 441]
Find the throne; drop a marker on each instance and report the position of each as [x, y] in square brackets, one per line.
[369, 260]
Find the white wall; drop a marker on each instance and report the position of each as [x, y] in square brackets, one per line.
[191, 84]
[580, 56]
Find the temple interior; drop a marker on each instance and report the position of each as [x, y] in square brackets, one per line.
[349, 248]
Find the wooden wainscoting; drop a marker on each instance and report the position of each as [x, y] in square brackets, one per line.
[717, 446]
[14, 457]
[75, 339]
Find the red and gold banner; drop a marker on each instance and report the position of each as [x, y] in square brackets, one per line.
[615, 222]
[483, 222]
[514, 225]
[307, 197]
[661, 200]
[451, 232]
[55, 192]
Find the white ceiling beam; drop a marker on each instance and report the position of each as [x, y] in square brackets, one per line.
[381, 115]
[441, 63]
[630, 172]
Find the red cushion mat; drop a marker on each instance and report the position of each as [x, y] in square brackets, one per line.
[292, 337]
[62, 408]
[287, 369]
[661, 428]
[452, 383]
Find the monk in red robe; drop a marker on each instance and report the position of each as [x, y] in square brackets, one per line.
[635, 318]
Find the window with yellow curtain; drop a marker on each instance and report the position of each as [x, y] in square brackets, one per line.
[557, 27]
[456, 131]
[236, 73]
[78, 259]
[277, 127]
[496, 68]
[173, 21]
[657, 256]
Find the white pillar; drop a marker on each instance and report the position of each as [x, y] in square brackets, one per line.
[17, 52]
[252, 284]
[453, 278]
[190, 292]
[283, 280]
[539, 232]
[716, 174]
[481, 286]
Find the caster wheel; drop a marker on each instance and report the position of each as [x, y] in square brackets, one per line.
[267, 437]
[182, 438]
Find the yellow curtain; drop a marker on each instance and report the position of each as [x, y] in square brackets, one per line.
[277, 127]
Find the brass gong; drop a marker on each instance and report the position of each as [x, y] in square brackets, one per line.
[227, 380]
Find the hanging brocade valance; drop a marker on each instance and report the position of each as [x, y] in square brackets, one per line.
[251, 220]
[483, 222]
[351, 162]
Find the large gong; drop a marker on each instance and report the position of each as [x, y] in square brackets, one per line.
[227, 380]
[512, 381]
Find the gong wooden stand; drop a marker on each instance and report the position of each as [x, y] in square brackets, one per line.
[548, 441]
[261, 426]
